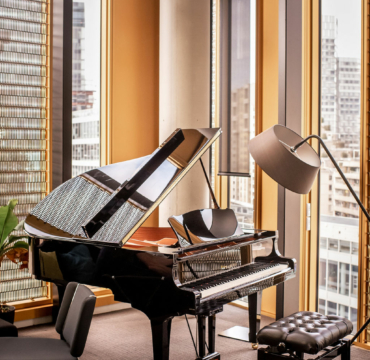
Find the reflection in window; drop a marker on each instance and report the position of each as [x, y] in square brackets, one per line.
[86, 86]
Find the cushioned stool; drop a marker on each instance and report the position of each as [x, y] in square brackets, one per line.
[7, 329]
[305, 332]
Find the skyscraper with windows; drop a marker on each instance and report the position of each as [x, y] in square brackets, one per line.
[348, 78]
[85, 109]
[328, 73]
[340, 128]
[242, 121]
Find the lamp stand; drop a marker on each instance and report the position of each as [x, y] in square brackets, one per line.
[293, 149]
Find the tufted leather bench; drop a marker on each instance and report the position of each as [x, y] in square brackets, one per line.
[304, 332]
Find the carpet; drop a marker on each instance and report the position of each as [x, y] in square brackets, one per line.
[126, 335]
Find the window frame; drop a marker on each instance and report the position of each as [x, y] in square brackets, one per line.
[221, 182]
[309, 262]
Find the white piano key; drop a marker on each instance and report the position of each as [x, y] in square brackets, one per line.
[244, 280]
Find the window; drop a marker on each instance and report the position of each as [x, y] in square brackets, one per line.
[332, 308]
[242, 124]
[343, 311]
[322, 305]
[345, 246]
[353, 317]
[86, 86]
[333, 244]
[354, 281]
[332, 276]
[340, 128]
[343, 279]
[24, 125]
[323, 278]
[323, 243]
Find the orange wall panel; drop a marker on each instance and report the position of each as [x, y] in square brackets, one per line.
[135, 81]
[270, 73]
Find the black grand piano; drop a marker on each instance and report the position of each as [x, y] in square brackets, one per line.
[88, 230]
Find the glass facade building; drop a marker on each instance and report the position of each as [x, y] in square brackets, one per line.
[24, 125]
[86, 86]
[340, 129]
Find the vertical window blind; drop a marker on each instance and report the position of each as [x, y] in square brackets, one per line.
[24, 126]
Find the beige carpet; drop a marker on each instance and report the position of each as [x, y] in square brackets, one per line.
[126, 335]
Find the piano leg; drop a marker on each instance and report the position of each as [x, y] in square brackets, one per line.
[202, 335]
[248, 334]
[254, 309]
[161, 331]
[211, 333]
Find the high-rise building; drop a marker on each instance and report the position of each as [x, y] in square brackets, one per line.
[348, 78]
[85, 109]
[328, 73]
[339, 228]
[242, 121]
[338, 281]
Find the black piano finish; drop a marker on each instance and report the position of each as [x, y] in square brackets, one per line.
[147, 279]
[83, 231]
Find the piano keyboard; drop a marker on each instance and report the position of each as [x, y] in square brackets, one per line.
[236, 277]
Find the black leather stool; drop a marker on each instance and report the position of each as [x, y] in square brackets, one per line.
[305, 332]
[7, 329]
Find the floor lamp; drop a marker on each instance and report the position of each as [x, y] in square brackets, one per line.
[289, 160]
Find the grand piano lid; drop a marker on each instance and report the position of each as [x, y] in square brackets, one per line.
[107, 205]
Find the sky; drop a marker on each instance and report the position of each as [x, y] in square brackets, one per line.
[92, 45]
[348, 13]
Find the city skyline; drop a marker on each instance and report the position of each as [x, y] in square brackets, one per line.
[340, 129]
[86, 87]
[349, 25]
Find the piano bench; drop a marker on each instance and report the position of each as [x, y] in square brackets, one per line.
[305, 333]
[7, 329]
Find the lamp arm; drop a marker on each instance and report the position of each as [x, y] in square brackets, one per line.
[294, 148]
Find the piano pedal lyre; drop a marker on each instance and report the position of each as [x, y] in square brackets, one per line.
[201, 324]
[214, 356]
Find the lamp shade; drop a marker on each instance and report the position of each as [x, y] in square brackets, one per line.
[295, 171]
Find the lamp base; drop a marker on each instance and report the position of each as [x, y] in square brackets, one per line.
[237, 333]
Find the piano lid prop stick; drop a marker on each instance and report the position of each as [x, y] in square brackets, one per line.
[98, 221]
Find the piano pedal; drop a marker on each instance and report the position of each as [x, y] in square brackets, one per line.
[255, 346]
[213, 356]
